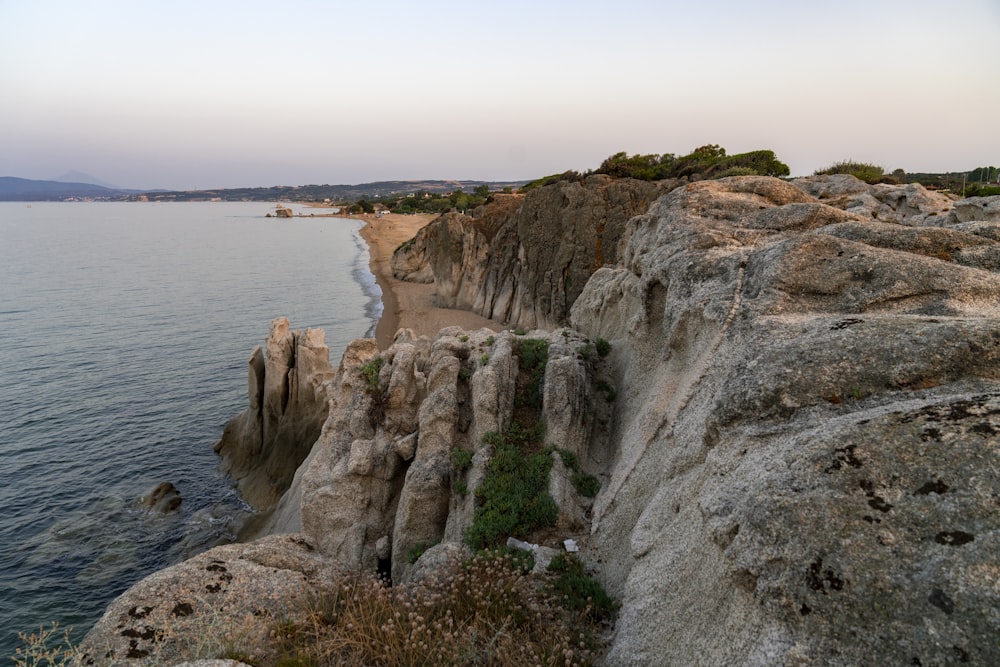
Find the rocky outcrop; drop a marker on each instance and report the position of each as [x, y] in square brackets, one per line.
[524, 259]
[380, 481]
[228, 599]
[263, 446]
[795, 430]
[807, 453]
[910, 204]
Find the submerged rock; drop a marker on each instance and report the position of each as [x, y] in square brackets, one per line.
[164, 497]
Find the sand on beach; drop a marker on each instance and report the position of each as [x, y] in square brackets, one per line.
[408, 305]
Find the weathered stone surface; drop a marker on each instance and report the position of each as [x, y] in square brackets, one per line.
[807, 459]
[228, 598]
[383, 464]
[262, 447]
[523, 259]
[910, 204]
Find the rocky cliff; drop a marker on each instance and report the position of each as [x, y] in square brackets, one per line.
[524, 259]
[807, 453]
[795, 431]
[263, 446]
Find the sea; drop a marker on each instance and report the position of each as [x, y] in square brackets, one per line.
[125, 332]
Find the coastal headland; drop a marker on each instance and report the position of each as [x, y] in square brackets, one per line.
[762, 407]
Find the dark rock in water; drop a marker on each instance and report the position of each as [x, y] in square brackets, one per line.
[164, 497]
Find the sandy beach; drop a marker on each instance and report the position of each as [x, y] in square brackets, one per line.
[408, 305]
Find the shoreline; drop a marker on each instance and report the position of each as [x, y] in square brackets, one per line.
[408, 305]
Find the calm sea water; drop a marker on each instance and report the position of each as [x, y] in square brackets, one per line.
[125, 331]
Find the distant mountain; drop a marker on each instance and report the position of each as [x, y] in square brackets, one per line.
[81, 177]
[24, 189]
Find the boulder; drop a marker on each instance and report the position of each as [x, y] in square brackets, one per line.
[227, 599]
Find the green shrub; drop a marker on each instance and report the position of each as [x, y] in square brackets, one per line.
[417, 550]
[464, 338]
[371, 372]
[534, 355]
[577, 590]
[513, 498]
[484, 360]
[869, 173]
[709, 161]
[461, 458]
[490, 340]
[568, 458]
[609, 392]
[603, 347]
[586, 485]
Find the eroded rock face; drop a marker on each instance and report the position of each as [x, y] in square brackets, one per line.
[263, 446]
[524, 259]
[807, 454]
[380, 479]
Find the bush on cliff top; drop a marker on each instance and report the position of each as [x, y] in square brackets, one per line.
[869, 173]
[704, 162]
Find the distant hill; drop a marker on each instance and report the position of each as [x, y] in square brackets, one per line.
[24, 189]
[335, 193]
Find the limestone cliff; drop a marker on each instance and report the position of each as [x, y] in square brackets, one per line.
[524, 259]
[796, 429]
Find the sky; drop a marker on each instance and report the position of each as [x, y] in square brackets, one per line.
[213, 93]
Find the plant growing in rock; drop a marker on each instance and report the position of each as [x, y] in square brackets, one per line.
[534, 355]
[461, 459]
[603, 347]
[371, 372]
[577, 590]
[376, 409]
[484, 611]
[585, 484]
[609, 392]
[513, 498]
[869, 173]
[417, 550]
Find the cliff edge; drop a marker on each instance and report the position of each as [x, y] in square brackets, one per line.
[794, 431]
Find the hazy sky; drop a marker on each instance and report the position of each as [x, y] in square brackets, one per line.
[222, 94]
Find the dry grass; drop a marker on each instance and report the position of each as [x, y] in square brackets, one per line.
[484, 611]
